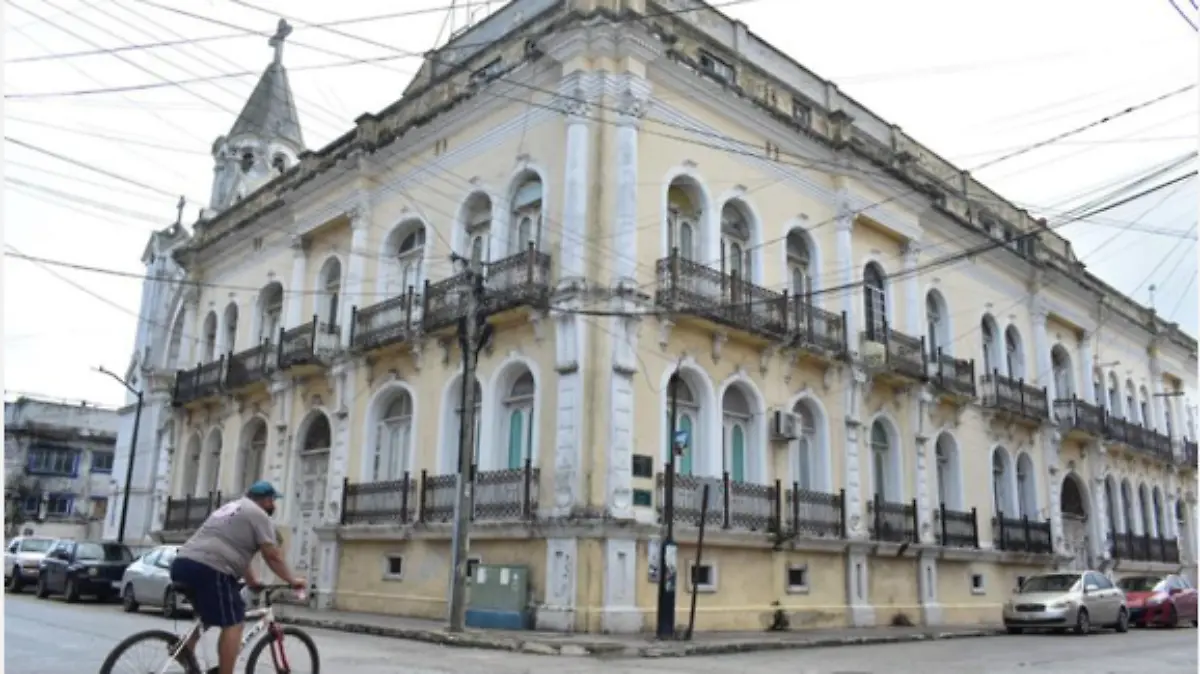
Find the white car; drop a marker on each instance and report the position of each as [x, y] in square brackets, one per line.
[147, 582]
[21, 560]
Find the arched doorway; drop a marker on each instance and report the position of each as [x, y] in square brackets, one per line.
[316, 437]
[1073, 505]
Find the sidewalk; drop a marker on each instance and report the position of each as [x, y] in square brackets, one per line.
[618, 646]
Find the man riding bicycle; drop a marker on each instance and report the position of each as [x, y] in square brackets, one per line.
[213, 561]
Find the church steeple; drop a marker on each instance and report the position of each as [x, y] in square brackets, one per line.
[266, 138]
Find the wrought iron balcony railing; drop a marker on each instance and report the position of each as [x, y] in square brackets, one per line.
[1079, 415]
[199, 382]
[956, 528]
[518, 280]
[1015, 396]
[500, 495]
[902, 354]
[309, 344]
[953, 375]
[731, 504]
[1143, 548]
[391, 321]
[1022, 535]
[893, 522]
[189, 512]
[251, 366]
[1138, 438]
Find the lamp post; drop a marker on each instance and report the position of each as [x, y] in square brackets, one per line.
[667, 563]
[137, 420]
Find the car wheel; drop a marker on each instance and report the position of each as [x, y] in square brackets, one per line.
[43, 590]
[16, 583]
[71, 592]
[1083, 622]
[127, 599]
[170, 604]
[1123, 621]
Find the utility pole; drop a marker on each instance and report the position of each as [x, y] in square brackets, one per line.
[667, 580]
[473, 333]
[137, 422]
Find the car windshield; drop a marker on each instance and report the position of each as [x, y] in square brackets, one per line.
[1142, 584]
[1058, 582]
[108, 552]
[36, 544]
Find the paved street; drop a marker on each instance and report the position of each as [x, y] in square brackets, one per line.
[50, 637]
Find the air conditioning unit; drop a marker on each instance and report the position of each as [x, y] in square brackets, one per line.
[874, 354]
[785, 425]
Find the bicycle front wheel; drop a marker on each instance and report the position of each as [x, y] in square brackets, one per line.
[292, 651]
[149, 651]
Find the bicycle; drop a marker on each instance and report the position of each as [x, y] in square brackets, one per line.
[178, 655]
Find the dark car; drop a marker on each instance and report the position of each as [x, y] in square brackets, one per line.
[76, 568]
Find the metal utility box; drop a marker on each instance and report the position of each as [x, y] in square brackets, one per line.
[499, 598]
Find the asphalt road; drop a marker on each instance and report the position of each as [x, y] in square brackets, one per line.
[50, 637]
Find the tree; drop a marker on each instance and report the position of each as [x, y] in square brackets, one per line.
[18, 489]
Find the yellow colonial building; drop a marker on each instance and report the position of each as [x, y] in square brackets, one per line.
[890, 429]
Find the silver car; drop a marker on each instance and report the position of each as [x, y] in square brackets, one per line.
[21, 560]
[147, 581]
[1078, 600]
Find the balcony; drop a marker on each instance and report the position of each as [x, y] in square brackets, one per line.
[1188, 456]
[1022, 535]
[693, 289]
[1138, 438]
[1131, 547]
[392, 321]
[188, 513]
[892, 522]
[500, 496]
[515, 281]
[199, 382]
[1076, 416]
[731, 504]
[956, 528]
[250, 367]
[891, 352]
[954, 377]
[1014, 397]
[311, 344]
[813, 514]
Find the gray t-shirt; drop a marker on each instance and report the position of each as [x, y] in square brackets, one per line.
[230, 537]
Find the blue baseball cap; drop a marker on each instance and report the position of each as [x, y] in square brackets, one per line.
[263, 489]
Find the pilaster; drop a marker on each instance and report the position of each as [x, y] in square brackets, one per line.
[631, 108]
[1041, 346]
[1051, 440]
[621, 613]
[187, 344]
[844, 226]
[925, 468]
[570, 345]
[575, 104]
[1087, 370]
[858, 565]
[927, 583]
[915, 305]
[360, 229]
[622, 413]
[557, 613]
[1097, 459]
[295, 292]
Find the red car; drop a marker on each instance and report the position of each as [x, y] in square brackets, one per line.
[1159, 600]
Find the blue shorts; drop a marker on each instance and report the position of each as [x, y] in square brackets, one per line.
[216, 597]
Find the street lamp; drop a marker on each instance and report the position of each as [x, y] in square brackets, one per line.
[137, 420]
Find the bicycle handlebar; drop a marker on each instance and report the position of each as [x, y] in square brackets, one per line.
[269, 589]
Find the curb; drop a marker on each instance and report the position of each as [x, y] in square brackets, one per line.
[610, 649]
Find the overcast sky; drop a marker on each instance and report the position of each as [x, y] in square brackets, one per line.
[972, 80]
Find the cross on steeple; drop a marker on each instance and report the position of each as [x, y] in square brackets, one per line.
[282, 31]
[179, 210]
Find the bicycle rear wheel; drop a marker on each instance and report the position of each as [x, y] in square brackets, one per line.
[281, 659]
[157, 644]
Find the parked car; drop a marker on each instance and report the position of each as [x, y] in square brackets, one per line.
[76, 568]
[1073, 600]
[147, 581]
[21, 560]
[1159, 600]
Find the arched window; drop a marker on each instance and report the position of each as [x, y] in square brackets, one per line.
[1110, 496]
[937, 335]
[949, 489]
[270, 308]
[319, 435]
[458, 417]
[393, 439]
[175, 344]
[683, 218]
[806, 447]
[737, 416]
[231, 327]
[518, 413]
[1131, 402]
[987, 329]
[525, 221]
[1127, 507]
[1072, 501]
[735, 241]
[408, 271]
[1064, 384]
[1147, 509]
[799, 261]
[1147, 416]
[881, 462]
[1114, 395]
[1026, 487]
[253, 452]
[1159, 520]
[1001, 501]
[874, 303]
[211, 462]
[331, 289]
[210, 337]
[686, 421]
[1014, 353]
[478, 226]
[191, 467]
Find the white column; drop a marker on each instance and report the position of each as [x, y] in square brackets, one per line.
[1156, 395]
[188, 343]
[1086, 372]
[1044, 377]
[631, 109]
[915, 305]
[295, 292]
[845, 262]
[575, 189]
[352, 294]
[1098, 461]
